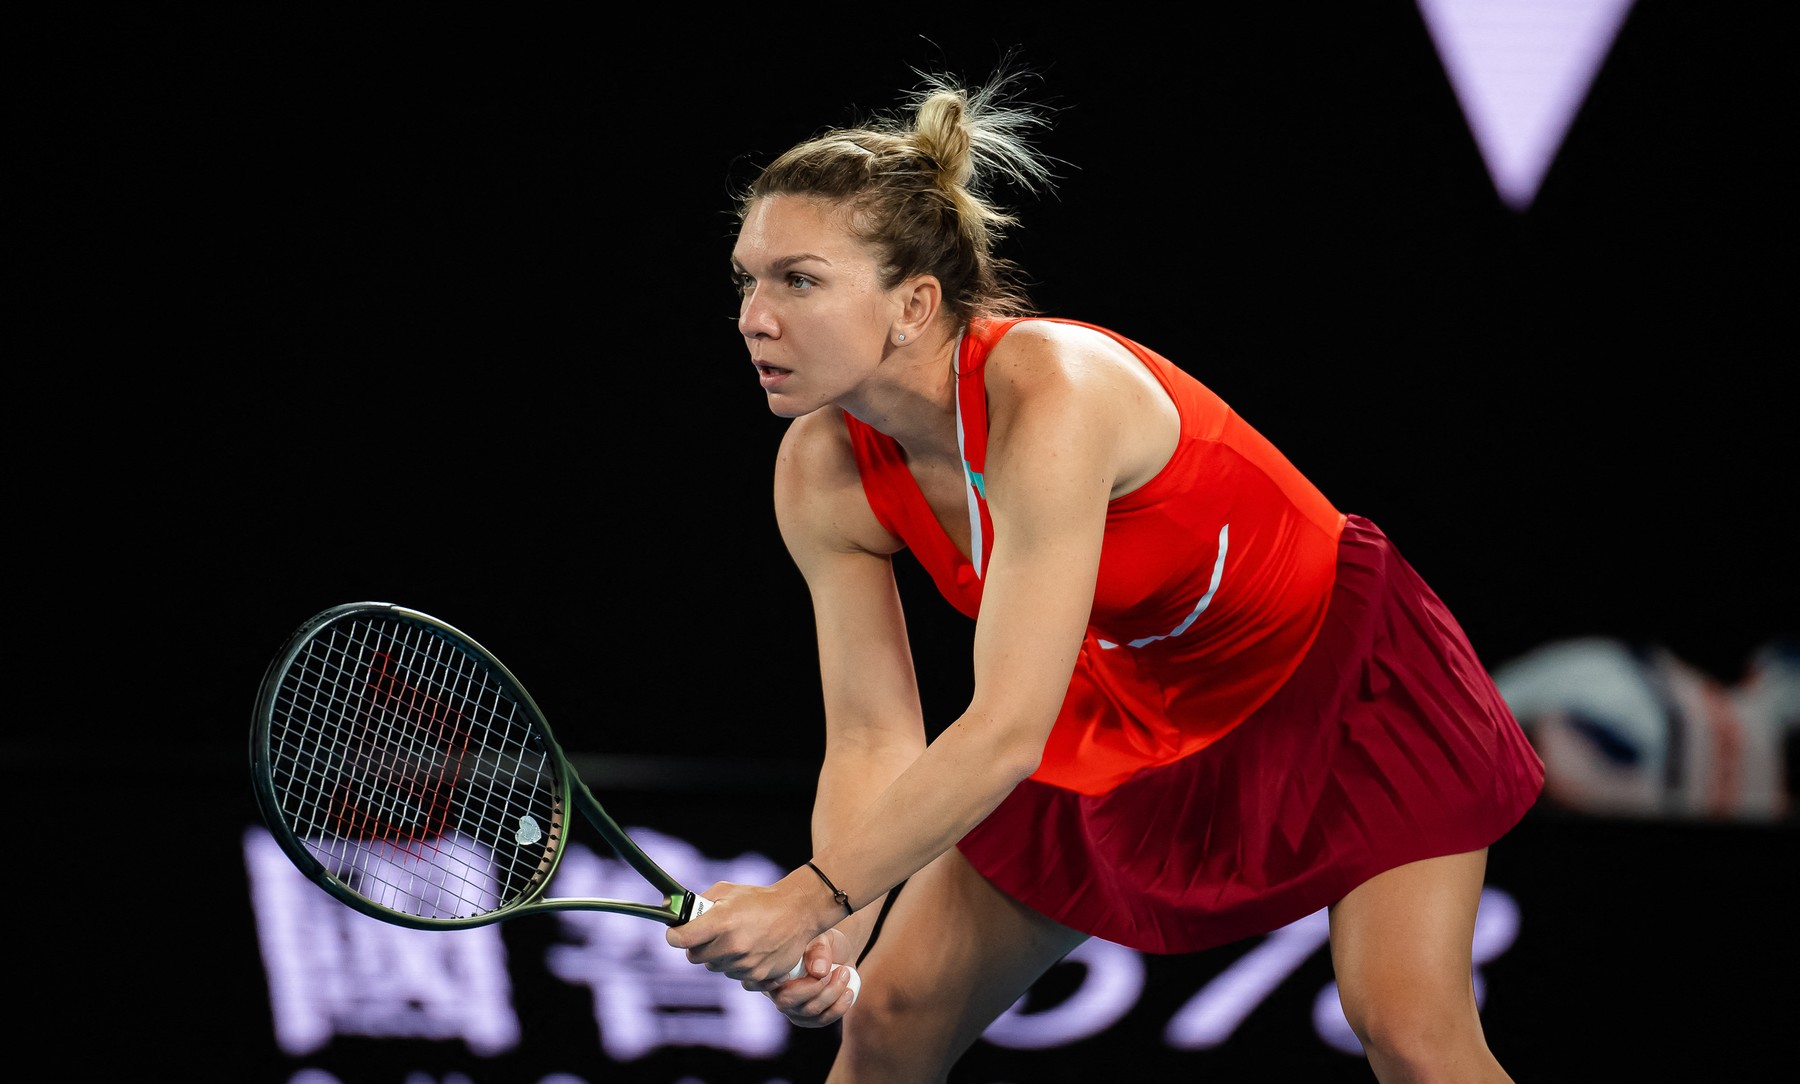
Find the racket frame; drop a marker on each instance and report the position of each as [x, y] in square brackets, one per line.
[678, 904]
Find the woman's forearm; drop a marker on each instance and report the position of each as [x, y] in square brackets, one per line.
[941, 795]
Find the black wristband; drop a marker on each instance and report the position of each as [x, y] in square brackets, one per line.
[836, 893]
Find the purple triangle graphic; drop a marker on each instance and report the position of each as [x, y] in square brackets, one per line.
[1520, 70]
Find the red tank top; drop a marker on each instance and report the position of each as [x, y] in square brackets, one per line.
[1213, 576]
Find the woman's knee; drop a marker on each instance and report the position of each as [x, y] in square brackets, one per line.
[1411, 1027]
[898, 1034]
[933, 983]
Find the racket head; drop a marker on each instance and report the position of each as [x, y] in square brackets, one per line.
[404, 769]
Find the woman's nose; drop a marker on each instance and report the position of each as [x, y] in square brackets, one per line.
[754, 319]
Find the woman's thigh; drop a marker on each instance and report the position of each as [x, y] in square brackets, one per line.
[1402, 941]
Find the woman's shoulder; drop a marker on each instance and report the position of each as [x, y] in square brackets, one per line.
[819, 492]
[816, 441]
[1037, 350]
[1037, 329]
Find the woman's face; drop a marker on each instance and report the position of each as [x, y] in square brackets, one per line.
[812, 309]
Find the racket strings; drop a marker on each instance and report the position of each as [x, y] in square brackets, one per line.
[410, 772]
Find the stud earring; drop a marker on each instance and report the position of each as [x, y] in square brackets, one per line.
[903, 336]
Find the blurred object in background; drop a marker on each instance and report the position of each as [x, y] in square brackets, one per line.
[1632, 730]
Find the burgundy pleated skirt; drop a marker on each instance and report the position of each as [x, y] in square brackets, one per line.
[1387, 745]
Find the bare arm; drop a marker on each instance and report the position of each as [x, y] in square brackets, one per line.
[1064, 427]
[874, 723]
[1074, 420]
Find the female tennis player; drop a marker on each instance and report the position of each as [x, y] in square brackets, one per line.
[1206, 701]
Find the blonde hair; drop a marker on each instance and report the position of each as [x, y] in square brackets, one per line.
[918, 182]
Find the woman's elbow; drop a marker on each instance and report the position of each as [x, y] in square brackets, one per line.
[1008, 746]
[1019, 755]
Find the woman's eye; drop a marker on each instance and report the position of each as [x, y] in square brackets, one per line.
[741, 282]
[800, 282]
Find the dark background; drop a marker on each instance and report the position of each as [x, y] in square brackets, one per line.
[430, 306]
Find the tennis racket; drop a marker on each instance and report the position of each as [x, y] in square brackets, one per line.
[406, 771]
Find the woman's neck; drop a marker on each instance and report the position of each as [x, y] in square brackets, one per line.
[912, 398]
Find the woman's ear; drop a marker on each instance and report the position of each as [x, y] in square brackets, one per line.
[919, 300]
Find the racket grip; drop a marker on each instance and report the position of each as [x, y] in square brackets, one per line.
[703, 905]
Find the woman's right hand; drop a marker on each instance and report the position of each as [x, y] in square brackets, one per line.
[817, 1000]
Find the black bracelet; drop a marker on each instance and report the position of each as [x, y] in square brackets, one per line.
[836, 892]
